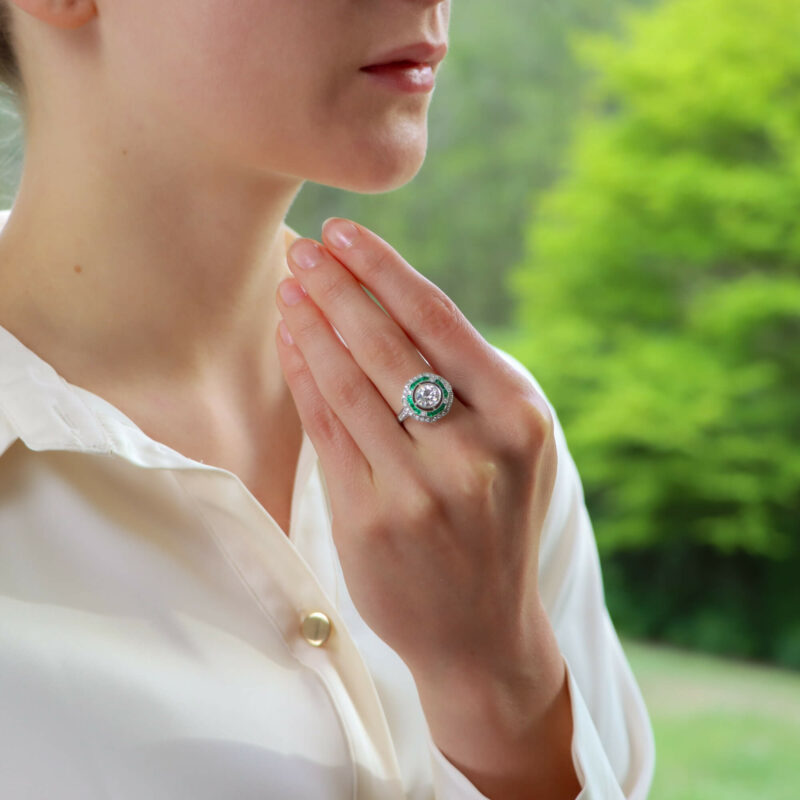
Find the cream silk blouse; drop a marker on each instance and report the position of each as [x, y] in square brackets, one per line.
[155, 639]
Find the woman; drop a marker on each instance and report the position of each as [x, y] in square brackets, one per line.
[229, 565]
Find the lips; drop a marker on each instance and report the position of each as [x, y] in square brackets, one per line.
[406, 76]
[395, 65]
[419, 55]
[409, 69]
[405, 62]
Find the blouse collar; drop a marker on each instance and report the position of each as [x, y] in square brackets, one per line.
[47, 412]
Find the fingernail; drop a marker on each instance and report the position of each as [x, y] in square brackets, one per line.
[305, 253]
[284, 332]
[291, 291]
[341, 234]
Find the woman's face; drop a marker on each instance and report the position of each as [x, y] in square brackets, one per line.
[276, 85]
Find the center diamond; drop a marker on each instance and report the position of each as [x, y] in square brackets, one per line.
[427, 396]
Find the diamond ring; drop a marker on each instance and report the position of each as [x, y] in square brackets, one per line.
[426, 397]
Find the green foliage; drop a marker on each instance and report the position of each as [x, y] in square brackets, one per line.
[660, 293]
[787, 648]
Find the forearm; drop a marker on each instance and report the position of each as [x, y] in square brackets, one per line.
[509, 733]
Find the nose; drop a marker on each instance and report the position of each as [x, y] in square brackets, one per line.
[439, 11]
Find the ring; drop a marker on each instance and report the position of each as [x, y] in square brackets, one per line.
[426, 397]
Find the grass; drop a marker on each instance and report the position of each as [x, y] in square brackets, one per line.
[724, 729]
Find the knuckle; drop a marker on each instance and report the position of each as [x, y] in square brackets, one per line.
[331, 289]
[306, 326]
[524, 430]
[322, 421]
[374, 265]
[437, 315]
[536, 423]
[348, 393]
[298, 372]
[385, 350]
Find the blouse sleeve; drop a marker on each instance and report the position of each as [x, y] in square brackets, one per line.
[613, 747]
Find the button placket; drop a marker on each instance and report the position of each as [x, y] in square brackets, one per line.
[288, 593]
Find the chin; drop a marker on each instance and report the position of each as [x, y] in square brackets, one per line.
[380, 180]
[375, 166]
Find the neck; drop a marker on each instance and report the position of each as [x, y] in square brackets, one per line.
[117, 268]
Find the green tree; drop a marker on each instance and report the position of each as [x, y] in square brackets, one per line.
[660, 294]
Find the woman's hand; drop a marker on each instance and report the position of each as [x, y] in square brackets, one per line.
[437, 525]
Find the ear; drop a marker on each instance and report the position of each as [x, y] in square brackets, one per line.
[61, 13]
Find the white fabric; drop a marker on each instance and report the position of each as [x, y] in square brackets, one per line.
[150, 642]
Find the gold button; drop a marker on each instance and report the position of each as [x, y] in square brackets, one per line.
[316, 628]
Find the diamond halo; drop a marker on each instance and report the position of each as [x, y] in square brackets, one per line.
[426, 397]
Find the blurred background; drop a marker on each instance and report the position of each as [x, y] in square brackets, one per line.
[612, 195]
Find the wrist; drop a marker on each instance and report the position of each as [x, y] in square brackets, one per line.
[490, 711]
